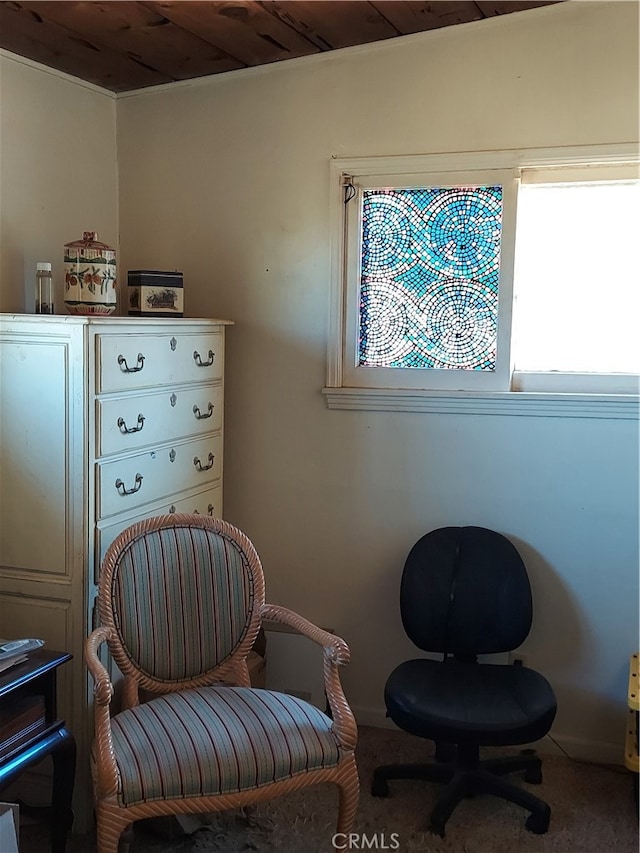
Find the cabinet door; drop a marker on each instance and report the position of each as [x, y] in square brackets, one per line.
[52, 621]
[34, 455]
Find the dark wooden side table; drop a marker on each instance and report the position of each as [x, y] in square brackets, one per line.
[30, 730]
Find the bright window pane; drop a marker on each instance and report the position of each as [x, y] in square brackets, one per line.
[429, 278]
[576, 286]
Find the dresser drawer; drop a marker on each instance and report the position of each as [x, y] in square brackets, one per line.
[127, 423]
[124, 484]
[126, 362]
[204, 503]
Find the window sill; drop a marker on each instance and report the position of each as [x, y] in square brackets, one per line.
[514, 403]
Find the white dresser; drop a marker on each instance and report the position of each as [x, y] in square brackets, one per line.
[103, 421]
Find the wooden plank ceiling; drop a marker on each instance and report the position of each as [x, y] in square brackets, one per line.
[126, 45]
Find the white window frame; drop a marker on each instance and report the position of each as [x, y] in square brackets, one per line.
[359, 376]
[350, 386]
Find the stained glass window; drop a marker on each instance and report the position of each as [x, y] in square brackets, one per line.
[429, 277]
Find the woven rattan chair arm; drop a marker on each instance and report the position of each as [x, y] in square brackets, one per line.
[103, 688]
[336, 653]
[344, 723]
[106, 772]
[334, 647]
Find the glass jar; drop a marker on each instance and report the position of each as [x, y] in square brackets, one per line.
[44, 288]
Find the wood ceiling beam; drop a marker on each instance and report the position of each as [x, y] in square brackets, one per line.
[245, 30]
[138, 33]
[27, 33]
[128, 45]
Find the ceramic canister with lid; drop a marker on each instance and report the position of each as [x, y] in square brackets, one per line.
[89, 276]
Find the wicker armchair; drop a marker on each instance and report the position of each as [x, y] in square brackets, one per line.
[181, 600]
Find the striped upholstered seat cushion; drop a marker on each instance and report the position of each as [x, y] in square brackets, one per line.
[219, 739]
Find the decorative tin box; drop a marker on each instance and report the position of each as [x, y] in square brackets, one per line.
[155, 293]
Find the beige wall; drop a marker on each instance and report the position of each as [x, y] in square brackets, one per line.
[227, 180]
[58, 174]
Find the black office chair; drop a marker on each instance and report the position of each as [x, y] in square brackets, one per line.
[464, 593]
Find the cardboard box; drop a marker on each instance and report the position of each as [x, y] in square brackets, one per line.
[155, 293]
[9, 823]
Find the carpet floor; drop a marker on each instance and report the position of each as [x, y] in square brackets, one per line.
[592, 811]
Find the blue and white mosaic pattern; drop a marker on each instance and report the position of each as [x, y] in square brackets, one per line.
[429, 277]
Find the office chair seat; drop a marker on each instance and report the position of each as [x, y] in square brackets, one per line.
[461, 702]
[465, 594]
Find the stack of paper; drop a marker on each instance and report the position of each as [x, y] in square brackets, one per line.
[16, 651]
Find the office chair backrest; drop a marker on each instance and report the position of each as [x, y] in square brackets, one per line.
[182, 594]
[465, 591]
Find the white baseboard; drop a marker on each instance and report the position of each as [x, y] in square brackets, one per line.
[592, 752]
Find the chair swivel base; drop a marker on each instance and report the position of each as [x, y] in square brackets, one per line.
[468, 776]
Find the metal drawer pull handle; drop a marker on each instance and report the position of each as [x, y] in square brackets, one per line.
[202, 467]
[172, 508]
[210, 509]
[120, 486]
[126, 369]
[200, 362]
[127, 430]
[199, 415]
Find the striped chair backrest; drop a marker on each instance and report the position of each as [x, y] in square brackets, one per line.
[182, 598]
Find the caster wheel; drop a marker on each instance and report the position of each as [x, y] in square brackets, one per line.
[533, 776]
[379, 788]
[538, 822]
